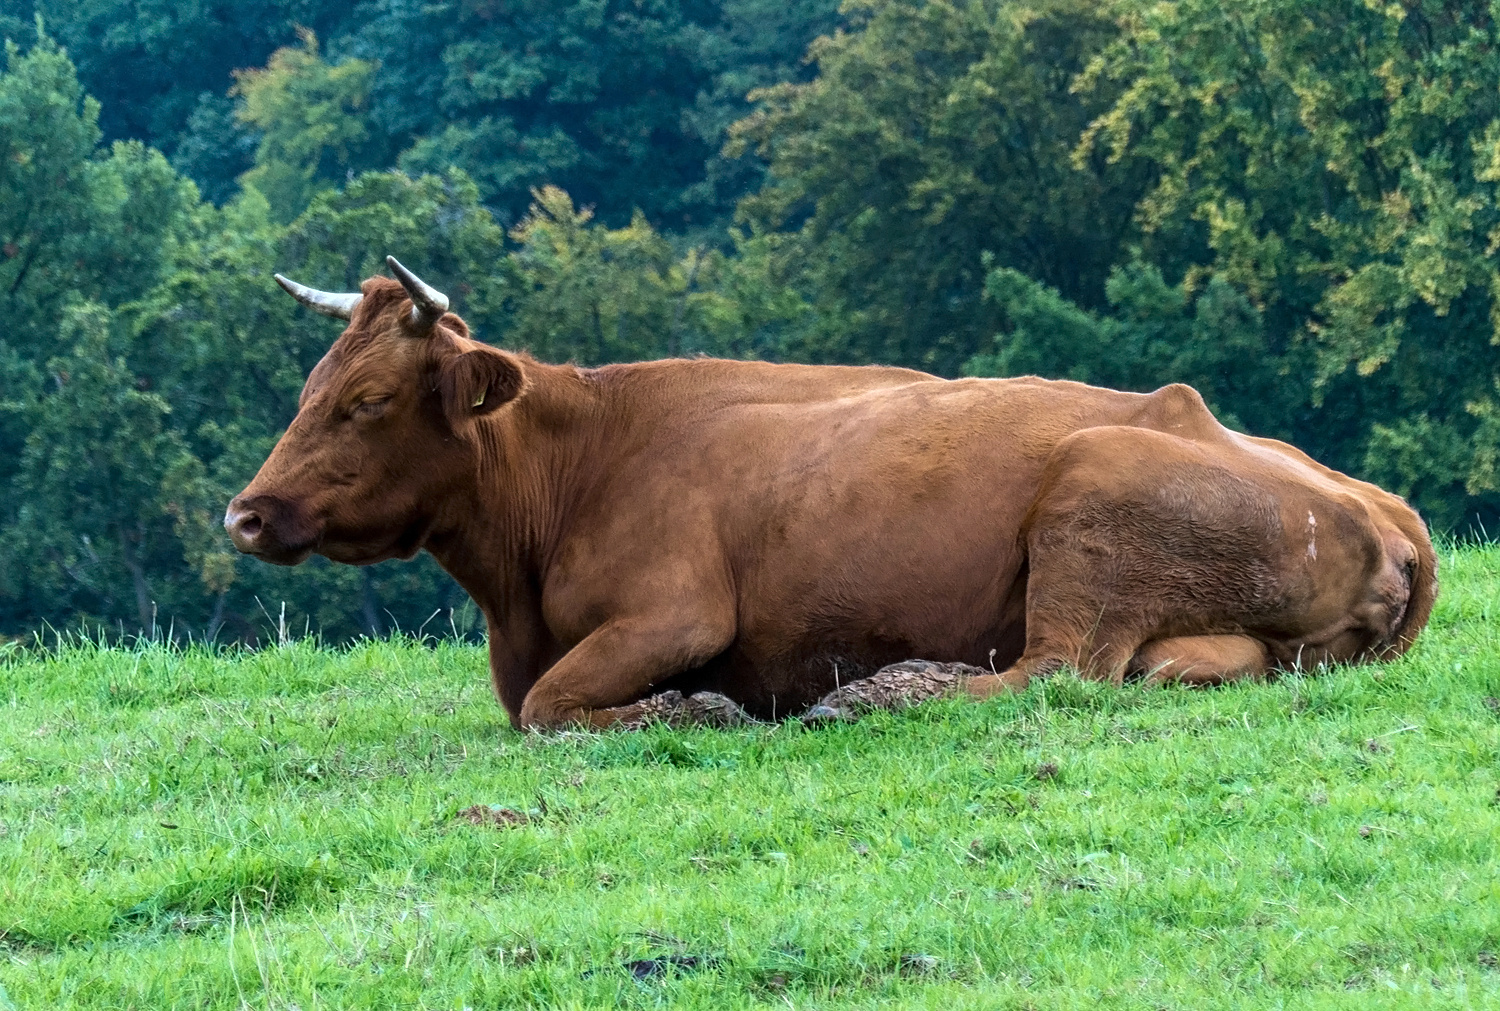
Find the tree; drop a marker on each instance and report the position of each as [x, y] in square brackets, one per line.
[1335, 162]
[153, 66]
[92, 519]
[1153, 334]
[935, 132]
[310, 119]
[622, 104]
[81, 230]
[74, 220]
[588, 293]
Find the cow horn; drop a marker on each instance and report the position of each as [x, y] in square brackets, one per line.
[326, 302]
[427, 303]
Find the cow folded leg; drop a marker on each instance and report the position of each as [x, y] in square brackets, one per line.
[1136, 535]
[603, 681]
[1014, 679]
[1202, 659]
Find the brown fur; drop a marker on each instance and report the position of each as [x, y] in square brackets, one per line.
[767, 530]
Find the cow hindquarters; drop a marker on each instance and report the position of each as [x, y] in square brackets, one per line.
[1139, 539]
[600, 682]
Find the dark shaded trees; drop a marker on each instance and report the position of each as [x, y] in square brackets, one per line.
[624, 104]
[936, 132]
[1292, 204]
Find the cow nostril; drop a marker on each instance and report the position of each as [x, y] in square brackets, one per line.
[251, 525]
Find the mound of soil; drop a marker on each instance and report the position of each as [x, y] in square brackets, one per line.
[894, 687]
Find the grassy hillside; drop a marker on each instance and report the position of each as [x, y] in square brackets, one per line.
[292, 828]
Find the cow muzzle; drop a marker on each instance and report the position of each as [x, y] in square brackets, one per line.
[270, 529]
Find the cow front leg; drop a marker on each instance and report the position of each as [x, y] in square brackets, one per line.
[603, 681]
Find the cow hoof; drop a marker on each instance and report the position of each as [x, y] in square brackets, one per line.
[894, 687]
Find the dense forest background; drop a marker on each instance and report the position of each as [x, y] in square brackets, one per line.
[1293, 205]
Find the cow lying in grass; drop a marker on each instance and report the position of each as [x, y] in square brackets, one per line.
[766, 532]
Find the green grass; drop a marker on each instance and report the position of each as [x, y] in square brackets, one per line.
[278, 829]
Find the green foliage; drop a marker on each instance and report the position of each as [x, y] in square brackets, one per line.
[223, 828]
[1335, 162]
[622, 104]
[85, 449]
[1153, 334]
[75, 221]
[310, 119]
[938, 131]
[152, 64]
[90, 489]
[591, 293]
[577, 290]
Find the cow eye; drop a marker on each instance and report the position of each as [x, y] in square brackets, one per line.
[372, 408]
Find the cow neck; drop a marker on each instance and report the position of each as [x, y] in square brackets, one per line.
[531, 465]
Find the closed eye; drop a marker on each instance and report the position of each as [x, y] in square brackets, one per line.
[366, 410]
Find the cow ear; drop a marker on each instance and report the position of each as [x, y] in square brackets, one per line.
[477, 382]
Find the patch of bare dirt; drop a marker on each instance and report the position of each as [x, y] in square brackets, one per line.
[489, 816]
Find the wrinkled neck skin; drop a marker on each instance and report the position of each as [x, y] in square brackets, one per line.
[500, 530]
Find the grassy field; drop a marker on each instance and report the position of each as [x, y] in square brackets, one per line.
[293, 828]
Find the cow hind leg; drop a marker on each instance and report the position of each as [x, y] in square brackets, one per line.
[1201, 659]
[1136, 535]
[1015, 678]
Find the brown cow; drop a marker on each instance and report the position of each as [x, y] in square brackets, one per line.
[763, 531]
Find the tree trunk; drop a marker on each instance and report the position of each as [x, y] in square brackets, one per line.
[215, 620]
[371, 606]
[129, 554]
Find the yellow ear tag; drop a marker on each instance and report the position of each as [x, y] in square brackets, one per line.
[480, 401]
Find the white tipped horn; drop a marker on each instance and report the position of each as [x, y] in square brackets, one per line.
[339, 306]
[427, 303]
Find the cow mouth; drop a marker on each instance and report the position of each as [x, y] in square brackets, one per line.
[285, 555]
[281, 553]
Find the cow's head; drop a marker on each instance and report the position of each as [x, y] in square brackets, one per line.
[384, 432]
